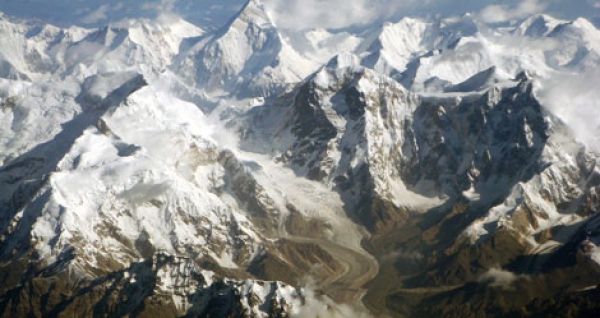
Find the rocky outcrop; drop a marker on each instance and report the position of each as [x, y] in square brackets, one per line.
[162, 285]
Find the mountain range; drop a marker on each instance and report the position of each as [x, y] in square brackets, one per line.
[423, 168]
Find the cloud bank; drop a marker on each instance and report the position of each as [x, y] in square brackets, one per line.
[500, 13]
[576, 100]
[307, 14]
[294, 14]
[320, 306]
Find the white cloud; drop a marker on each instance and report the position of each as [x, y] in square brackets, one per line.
[498, 278]
[406, 256]
[162, 7]
[308, 14]
[594, 3]
[320, 306]
[96, 16]
[500, 13]
[296, 14]
[576, 100]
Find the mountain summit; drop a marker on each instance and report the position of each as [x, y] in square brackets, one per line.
[247, 57]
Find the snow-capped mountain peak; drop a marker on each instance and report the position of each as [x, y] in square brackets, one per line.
[248, 57]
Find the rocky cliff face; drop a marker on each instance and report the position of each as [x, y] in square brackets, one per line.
[376, 143]
[161, 285]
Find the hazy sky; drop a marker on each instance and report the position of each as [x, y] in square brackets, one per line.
[292, 13]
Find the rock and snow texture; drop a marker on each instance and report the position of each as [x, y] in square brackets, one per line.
[248, 57]
[147, 138]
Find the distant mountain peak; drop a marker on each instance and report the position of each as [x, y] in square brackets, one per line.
[254, 12]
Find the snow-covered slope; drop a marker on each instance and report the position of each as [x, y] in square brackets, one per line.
[394, 48]
[247, 57]
[345, 126]
[365, 136]
[33, 51]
